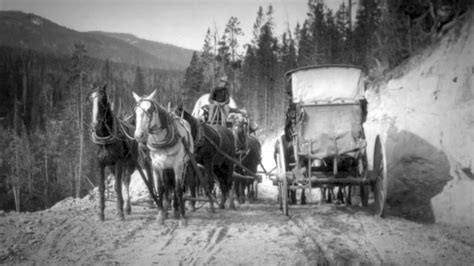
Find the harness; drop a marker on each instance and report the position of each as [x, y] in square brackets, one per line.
[172, 137]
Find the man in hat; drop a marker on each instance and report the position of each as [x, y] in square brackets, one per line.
[220, 102]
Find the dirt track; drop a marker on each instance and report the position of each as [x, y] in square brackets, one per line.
[257, 234]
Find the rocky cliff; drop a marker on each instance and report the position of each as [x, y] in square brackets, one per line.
[424, 110]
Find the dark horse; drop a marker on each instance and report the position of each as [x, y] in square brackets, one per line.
[115, 151]
[210, 143]
[248, 150]
[170, 143]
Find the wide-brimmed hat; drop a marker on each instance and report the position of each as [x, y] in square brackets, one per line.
[224, 79]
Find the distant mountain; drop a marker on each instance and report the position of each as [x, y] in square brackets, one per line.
[29, 31]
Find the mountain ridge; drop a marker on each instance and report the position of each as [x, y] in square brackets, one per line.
[30, 31]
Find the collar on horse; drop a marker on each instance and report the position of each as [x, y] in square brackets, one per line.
[167, 121]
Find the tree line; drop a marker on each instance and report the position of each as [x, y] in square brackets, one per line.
[45, 113]
[374, 34]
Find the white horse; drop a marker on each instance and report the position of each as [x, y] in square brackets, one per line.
[168, 137]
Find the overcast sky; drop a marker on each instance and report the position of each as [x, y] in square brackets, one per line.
[179, 22]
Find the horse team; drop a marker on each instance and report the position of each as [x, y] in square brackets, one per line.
[179, 152]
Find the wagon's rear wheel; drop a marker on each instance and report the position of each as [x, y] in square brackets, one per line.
[380, 174]
[282, 180]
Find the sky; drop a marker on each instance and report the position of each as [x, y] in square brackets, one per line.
[179, 22]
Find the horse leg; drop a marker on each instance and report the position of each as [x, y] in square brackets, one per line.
[126, 190]
[207, 185]
[178, 193]
[348, 195]
[232, 196]
[158, 178]
[303, 197]
[101, 192]
[118, 190]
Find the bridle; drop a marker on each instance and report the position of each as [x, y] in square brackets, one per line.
[241, 147]
[114, 132]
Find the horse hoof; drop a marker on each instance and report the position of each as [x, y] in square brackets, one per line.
[232, 207]
[176, 214]
[128, 211]
[183, 222]
[221, 206]
[120, 217]
[101, 217]
[160, 220]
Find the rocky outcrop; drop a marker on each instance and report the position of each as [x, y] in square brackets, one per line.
[424, 110]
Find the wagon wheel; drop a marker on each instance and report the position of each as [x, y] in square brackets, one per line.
[364, 189]
[380, 174]
[282, 184]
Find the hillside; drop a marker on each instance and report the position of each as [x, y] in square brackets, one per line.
[29, 31]
[425, 110]
[170, 54]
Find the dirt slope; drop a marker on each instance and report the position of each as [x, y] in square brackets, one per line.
[257, 234]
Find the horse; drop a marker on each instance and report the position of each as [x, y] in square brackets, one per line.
[116, 151]
[248, 150]
[169, 141]
[211, 142]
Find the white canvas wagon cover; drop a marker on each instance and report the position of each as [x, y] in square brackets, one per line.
[330, 83]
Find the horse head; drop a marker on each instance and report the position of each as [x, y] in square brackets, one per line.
[144, 110]
[239, 125]
[101, 109]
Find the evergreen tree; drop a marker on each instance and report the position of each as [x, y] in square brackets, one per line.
[193, 80]
[139, 82]
[305, 46]
[344, 31]
[367, 22]
[232, 32]
[317, 26]
[257, 26]
[79, 76]
[193, 77]
[208, 62]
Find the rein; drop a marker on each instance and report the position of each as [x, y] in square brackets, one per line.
[171, 138]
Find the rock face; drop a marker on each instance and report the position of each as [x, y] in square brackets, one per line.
[424, 111]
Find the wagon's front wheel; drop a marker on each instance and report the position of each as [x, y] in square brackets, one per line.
[380, 174]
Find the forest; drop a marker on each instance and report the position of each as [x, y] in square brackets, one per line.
[46, 150]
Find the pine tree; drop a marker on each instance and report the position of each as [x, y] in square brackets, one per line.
[367, 22]
[267, 59]
[344, 31]
[139, 82]
[257, 26]
[79, 74]
[193, 80]
[208, 62]
[232, 32]
[305, 46]
[317, 26]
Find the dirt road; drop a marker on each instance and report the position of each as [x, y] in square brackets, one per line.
[256, 234]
